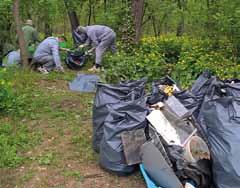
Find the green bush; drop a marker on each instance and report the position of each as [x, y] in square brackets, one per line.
[182, 58]
[6, 94]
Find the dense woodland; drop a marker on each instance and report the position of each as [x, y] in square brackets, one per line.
[198, 18]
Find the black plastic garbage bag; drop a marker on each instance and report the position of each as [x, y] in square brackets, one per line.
[112, 94]
[122, 116]
[199, 172]
[188, 100]
[200, 86]
[75, 60]
[158, 95]
[222, 117]
[233, 89]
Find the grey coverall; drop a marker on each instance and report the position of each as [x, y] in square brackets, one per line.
[101, 37]
[47, 54]
[13, 58]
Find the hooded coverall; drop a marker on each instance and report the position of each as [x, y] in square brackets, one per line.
[31, 38]
[13, 58]
[101, 37]
[30, 35]
[47, 54]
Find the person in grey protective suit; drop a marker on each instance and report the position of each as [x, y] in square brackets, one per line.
[13, 58]
[11, 55]
[101, 38]
[47, 54]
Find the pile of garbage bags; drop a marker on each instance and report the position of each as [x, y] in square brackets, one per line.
[179, 138]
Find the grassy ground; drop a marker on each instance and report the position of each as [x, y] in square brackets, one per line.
[57, 126]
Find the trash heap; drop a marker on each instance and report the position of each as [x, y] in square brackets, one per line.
[178, 138]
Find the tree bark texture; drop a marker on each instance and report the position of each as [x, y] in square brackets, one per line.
[21, 41]
[90, 11]
[138, 10]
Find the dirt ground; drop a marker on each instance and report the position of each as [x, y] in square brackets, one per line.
[63, 158]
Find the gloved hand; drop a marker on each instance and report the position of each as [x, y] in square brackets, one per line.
[82, 46]
[90, 52]
[59, 69]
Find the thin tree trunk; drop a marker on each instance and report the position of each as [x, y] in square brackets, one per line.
[47, 30]
[21, 41]
[105, 6]
[90, 12]
[154, 25]
[138, 10]
[73, 19]
[181, 24]
[72, 16]
[93, 11]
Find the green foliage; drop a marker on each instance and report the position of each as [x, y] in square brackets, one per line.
[13, 138]
[181, 57]
[127, 31]
[74, 174]
[5, 23]
[8, 101]
[46, 159]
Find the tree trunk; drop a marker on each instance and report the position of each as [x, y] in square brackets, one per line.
[21, 41]
[73, 19]
[47, 30]
[93, 12]
[72, 16]
[154, 26]
[138, 10]
[105, 6]
[181, 24]
[90, 11]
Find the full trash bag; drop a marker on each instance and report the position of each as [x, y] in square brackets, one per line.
[112, 94]
[122, 116]
[222, 117]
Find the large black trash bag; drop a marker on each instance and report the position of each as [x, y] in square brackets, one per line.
[233, 89]
[199, 172]
[158, 95]
[222, 118]
[75, 60]
[200, 86]
[111, 94]
[188, 100]
[122, 116]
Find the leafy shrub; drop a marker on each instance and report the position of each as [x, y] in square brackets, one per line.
[182, 58]
[6, 95]
[14, 101]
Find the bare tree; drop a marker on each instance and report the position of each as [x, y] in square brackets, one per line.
[90, 11]
[22, 44]
[181, 23]
[138, 12]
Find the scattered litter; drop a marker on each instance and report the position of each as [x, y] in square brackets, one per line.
[196, 149]
[176, 107]
[163, 127]
[157, 168]
[132, 142]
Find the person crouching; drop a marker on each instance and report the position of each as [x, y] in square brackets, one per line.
[47, 56]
